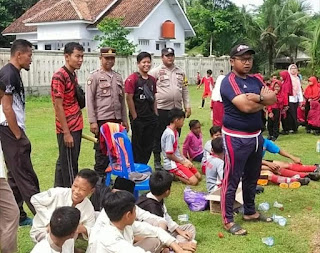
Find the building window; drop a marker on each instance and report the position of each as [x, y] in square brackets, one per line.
[88, 44]
[47, 47]
[157, 46]
[89, 49]
[144, 42]
[83, 44]
[177, 45]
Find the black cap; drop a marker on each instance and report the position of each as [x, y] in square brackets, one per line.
[167, 51]
[241, 49]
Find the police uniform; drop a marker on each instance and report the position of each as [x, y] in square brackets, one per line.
[105, 103]
[172, 92]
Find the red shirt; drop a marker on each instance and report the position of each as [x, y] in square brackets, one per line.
[62, 87]
[208, 83]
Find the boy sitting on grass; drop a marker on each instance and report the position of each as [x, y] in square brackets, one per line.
[173, 161]
[116, 228]
[214, 165]
[63, 226]
[160, 187]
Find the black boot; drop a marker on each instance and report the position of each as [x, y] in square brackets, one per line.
[157, 161]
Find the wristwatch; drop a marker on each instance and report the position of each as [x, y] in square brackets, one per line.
[261, 98]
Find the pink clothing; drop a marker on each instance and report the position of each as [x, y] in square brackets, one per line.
[192, 145]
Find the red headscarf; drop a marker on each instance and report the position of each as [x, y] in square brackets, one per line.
[286, 83]
[312, 91]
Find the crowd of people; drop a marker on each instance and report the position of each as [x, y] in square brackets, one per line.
[155, 102]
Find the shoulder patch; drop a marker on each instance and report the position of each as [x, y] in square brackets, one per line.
[89, 81]
[96, 70]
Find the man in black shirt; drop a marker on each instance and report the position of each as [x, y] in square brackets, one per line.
[15, 144]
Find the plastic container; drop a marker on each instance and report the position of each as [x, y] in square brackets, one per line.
[277, 205]
[282, 222]
[264, 206]
[276, 218]
[183, 218]
[318, 146]
[269, 241]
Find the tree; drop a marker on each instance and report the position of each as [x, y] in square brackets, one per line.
[115, 35]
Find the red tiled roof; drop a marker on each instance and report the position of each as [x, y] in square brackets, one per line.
[133, 12]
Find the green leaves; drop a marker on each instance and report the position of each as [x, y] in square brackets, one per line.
[114, 35]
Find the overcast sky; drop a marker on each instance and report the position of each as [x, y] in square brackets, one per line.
[314, 3]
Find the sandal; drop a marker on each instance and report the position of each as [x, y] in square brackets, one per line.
[235, 228]
[261, 217]
[292, 185]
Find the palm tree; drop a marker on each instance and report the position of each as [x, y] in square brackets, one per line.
[315, 48]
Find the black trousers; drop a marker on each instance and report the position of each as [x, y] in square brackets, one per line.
[306, 111]
[101, 160]
[291, 121]
[163, 122]
[143, 133]
[273, 123]
[67, 163]
[21, 176]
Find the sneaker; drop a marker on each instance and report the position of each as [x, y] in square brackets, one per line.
[284, 132]
[274, 138]
[158, 165]
[317, 167]
[200, 107]
[315, 176]
[270, 137]
[259, 189]
[26, 222]
[304, 181]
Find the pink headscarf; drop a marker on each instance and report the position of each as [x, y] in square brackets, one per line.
[286, 83]
[295, 80]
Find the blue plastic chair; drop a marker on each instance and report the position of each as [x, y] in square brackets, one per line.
[131, 167]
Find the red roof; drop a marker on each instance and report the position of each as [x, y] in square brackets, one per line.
[133, 12]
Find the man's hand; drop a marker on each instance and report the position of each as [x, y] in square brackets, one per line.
[185, 234]
[265, 91]
[253, 97]
[188, 112]
[187, 163]
[68, 140]
[273, 167]
[188, 246]
[296, 160]
[271, 115]
[94, 128]
[126, 125]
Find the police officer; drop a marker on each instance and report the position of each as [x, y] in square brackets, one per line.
[105, 102]
[172, 92]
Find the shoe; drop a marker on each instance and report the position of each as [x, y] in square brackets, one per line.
[292, 185]
[317, 167]
[200, 107]
[26, 222]
[157, 161]
[270, 137]
[274, 138]
[315, 176]
[304, 181]
[284, 132]
[308, 131]
[259, 189]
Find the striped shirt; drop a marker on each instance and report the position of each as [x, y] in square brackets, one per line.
[62, 87]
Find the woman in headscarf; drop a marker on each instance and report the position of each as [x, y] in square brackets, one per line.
[294, 99]
[312, 93]
[286, 90]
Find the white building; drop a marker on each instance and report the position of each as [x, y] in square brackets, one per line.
[50, 24]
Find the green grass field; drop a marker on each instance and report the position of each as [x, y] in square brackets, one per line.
[301, 206]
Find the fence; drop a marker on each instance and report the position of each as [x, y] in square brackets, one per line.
[44, 63]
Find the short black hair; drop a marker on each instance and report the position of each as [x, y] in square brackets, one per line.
[175, 113]
[209, 71]
[116, 204]
[69, 47]
[193, 123]
[214, 129]
[64, 221]
[90, 175]
[217, 145]
[143, 55]
[160, 182]
[221, 70]
[2, 86]
[20, 45]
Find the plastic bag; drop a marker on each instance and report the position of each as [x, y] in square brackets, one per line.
[195, 200]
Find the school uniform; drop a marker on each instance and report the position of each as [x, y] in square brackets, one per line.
[214, 173]
[207, 150]
[208, 83]
[243, 143]
[47, 246]
[216, 103]
[105, 237]
[276, 109]
[192, 147]
[46, 202]
[150, 203]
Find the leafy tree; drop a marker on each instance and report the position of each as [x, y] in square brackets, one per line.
[115, 35]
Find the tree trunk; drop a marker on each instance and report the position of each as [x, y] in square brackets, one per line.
[211, 41]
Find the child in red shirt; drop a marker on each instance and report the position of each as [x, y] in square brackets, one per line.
[274, 112]
[208, 86]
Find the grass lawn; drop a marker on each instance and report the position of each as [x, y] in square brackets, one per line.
[301, 206]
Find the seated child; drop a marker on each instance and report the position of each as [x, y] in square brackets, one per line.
[173, 161]
[46, 202]
[214, 165]
[288, 172]
[63, 226]
[192, 146]
[215, 132]
[160, 186]
[116, 228]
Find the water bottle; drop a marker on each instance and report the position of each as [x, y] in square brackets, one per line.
[277, 204]
[269, 241]
[318, 146]
[264, 206]
[276, 218]
[282, 221]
